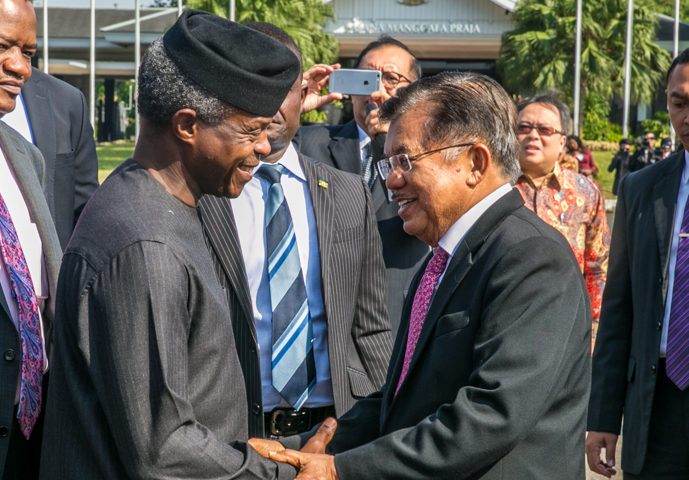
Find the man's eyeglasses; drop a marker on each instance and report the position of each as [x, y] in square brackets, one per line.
[403, 161]
[543, 130]
[392, 79]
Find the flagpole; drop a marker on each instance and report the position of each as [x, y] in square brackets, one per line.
[627, 69]
[46, 61]
[577, 70]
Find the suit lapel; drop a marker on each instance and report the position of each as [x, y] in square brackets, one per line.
[461, 262]
[39, 112]
[221, 231]
[344, 149]
[664, 203]
[320, 186]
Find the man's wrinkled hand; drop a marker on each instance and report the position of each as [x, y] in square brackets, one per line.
[264, 446]
[321, 438]
[595, 443]
[312, 466]
[313, 81]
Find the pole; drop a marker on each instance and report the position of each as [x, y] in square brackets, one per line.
[232, 2]
[627, 68]
[92, 67]
[577, 70]
[137, 56]
[46, 61]
[179, 7]
[675, 52]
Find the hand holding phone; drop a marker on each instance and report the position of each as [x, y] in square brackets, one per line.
[349, 81]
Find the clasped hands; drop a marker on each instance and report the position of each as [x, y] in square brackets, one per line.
[312, 461]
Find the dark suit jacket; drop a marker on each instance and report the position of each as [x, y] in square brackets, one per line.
[352, 275]
[27, 166]
[338, 146]
[498, 382]
[60, 124]
[627, 348]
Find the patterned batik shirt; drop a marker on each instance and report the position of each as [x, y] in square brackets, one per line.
[573, 205]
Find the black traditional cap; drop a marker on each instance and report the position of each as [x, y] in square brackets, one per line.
[239, 65]
[625, 141]
[667, 142]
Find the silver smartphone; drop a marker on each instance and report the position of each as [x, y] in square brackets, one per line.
[350, 81]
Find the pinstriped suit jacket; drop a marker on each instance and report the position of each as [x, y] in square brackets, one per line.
[403, 254]
[353, 282]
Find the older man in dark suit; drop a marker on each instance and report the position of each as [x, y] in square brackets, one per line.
[489, 373]
[146, 380]
[340, 269]
[355, 147]
[29, 261]
[641, 360]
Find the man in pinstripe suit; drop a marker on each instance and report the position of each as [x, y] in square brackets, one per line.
[340, 255]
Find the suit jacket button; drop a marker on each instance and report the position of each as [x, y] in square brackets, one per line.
[4, 431]
[10, 355]
[659, 325]
[256, 408]
[653, 369]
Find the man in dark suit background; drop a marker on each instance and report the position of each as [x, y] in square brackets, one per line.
[638, 351]
[27, 236]
[490, 370]
[342, 265]
[356, 146]
[52, 115]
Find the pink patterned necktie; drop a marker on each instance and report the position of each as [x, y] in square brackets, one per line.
[28, 325]
[422, 300]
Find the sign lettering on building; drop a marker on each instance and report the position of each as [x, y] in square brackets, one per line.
[412, 2]
[360, 27]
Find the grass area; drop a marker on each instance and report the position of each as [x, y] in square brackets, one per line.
[605, 178]
[111, 155]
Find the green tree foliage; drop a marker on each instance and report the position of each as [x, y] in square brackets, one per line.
[668, 8]
[538, 55]
[303, 20]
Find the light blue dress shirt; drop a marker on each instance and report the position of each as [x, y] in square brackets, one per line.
[249, 213]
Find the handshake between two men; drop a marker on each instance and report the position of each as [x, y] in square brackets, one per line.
[311, 460]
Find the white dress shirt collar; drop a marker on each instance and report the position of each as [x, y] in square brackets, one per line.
[452, 238]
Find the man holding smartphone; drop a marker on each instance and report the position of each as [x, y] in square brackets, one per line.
[355, 146]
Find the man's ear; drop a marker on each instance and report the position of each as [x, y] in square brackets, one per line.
[480, 161]
[185, 125]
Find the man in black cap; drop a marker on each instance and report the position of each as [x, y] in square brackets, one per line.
[146, 379]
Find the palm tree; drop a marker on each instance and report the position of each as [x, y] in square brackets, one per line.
[538, 54]
[303, 20]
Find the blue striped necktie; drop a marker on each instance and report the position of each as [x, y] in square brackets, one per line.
[677, 351]
[292, 360]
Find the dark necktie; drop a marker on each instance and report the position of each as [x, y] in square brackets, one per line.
[292, 360]
[28, 325]
[677, 351]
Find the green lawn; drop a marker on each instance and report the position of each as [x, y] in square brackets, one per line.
[605, 178]
[111, 155]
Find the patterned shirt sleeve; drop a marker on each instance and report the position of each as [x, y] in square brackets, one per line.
[596, 255]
